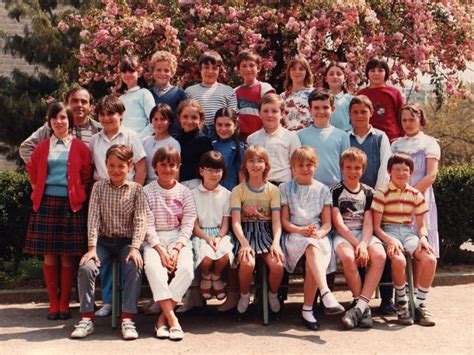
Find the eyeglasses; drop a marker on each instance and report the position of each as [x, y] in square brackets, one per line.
[213, 171]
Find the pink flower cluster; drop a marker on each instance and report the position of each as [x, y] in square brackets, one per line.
[417, 36]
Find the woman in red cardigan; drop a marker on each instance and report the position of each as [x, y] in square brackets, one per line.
[59, 170]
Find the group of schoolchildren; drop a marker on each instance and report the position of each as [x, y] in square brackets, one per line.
[230, 176]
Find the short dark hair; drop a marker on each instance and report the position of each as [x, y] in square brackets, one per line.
[213, 160]
[376, 62]
[320, 95]
[123, 152]
[75, 88]
[166, 153]
[210, 57]
[55, 108]
[400, 158]
[247, 54]
[165, 111]
[109, 103]
[326, 71]
[361, 100]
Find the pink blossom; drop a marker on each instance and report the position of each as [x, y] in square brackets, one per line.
[63, 27]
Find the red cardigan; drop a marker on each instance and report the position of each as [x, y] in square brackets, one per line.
[79, 172]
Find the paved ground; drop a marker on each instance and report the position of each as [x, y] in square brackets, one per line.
[24, 329]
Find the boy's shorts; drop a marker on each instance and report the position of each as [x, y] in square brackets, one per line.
[338, 239]
[405, 236]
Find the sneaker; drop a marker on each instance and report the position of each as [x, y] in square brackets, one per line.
[83, 328]
[366, 321]
[274, 302]
[129, 332]
[351, 318]
[387, 308]
[404, 317]
[176, 333]
[162, 332]
[104, 311]
[205, 287]
[423, 316]
[218, 287]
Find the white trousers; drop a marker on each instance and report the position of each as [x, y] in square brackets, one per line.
[158, 275]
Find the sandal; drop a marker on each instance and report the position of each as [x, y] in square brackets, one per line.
[205, 287]
[176, 333]
[218, 287]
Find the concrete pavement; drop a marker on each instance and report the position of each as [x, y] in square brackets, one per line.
[25, 330]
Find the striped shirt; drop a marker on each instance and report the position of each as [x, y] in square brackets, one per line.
[168, 210]
[212, 98]
[397, 206]
[117, 212]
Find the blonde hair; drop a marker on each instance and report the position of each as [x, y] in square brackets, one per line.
[272, 98]
[302, 154]
[164, 56]
[353, 154]
[308, 79]
[256, 151]
[190, 103]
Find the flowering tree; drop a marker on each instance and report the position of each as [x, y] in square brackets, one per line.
[423, 36]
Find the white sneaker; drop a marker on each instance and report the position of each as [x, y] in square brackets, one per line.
[274, 302]
[104, 311]
[83, 328]
[129, 332]
[243, 303]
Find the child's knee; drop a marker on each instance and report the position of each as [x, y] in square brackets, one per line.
[378, 257]
[428, 260]
[398, 261]
[248, 264]
[88, 270]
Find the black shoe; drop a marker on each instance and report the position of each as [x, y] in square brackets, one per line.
[53, 316]
[387, 308]
[64, 315]
[307, 323]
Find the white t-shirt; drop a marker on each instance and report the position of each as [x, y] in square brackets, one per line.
[211, 205]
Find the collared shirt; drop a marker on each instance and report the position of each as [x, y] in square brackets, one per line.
[169, 210]
[385, 153]
[85, 131]
[117, 212]
[66, 142]
[397, 205]
[100, 143]
[211, 205]
[280, 145]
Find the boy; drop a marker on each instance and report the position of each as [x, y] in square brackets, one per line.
[354, 243]
[387, 100]
[163, 67]
[116, 227]
[110, 111]
[211, 94]
[249, 93]
[278, 141]
[392, 208]
[328, 141]
[376, 146]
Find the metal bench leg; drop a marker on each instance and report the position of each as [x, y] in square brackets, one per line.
[411, 293]
[116, 293]
[265, 294]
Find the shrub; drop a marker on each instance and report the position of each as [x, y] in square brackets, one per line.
[454, 192]
[15, 207]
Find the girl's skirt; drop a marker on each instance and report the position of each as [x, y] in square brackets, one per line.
[294, 246]
[202, 249]
[259, 234]
[56, 230]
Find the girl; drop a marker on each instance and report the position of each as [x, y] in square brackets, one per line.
[306, 219]
[255, 206]
[425, 152]
[335, 81]
[170, 219]
[298, 85]
[59, 171]
[138, 101]
[193, 142]
[161, 118]
[211, 243]
[229, 145]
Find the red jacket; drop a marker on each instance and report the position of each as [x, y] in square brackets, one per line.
[79, 172]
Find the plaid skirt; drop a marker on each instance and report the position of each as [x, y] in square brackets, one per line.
[56, 230]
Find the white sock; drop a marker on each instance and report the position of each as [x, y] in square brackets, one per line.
[329, 300]
[274, 301]
[362, 304]
[243, 303]
[104, 311]
[307, 313]
[421, 296]
[401, 294]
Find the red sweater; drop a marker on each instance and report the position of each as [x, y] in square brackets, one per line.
[79, 172]
[387, 103]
